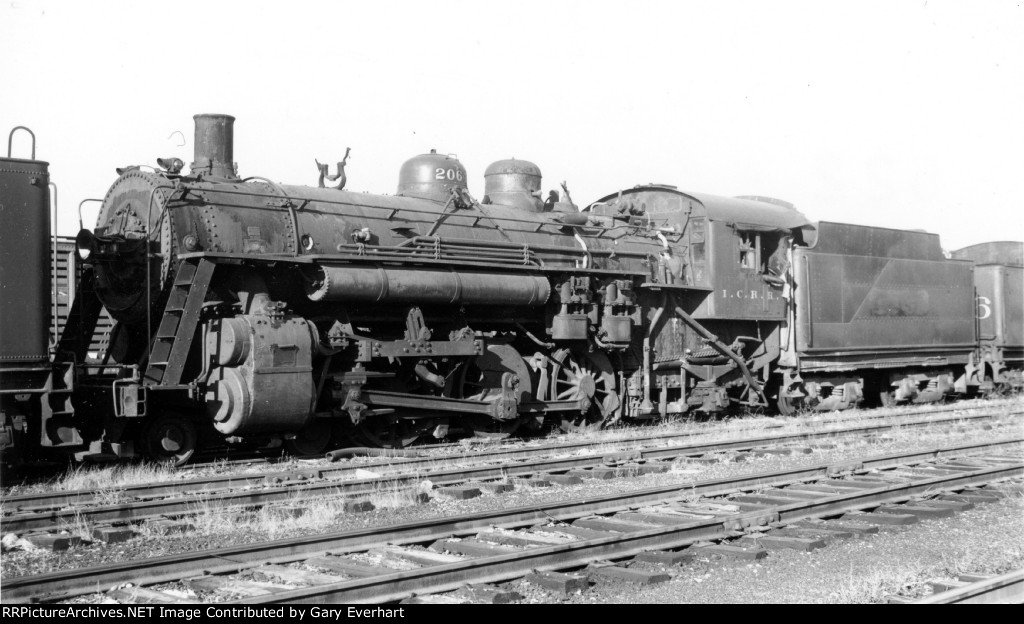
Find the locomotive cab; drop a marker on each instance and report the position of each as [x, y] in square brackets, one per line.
[729, 301]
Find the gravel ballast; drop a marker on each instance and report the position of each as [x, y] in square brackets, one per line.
[985, 540]
[218, 528]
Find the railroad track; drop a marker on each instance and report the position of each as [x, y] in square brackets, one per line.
[738, 516]
[1005, 588]
[247, 459]
[490, 444]
[160, 501]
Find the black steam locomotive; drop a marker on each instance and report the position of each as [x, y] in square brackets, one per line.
[247, 311]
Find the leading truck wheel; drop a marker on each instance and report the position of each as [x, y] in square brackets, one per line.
[170, 439]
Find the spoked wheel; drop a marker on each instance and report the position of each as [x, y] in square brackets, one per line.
[312, 440]
[488, 378]
[588, 378]
[170, 439]
[391, 432]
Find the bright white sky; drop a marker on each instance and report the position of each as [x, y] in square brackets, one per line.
[904, 114]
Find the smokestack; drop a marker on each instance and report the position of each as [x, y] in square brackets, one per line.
[214, 146]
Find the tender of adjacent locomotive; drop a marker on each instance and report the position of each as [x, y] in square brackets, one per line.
[249, 311]
[25, 290]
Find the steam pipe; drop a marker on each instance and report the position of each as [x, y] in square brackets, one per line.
[379, 285]
[538, 341]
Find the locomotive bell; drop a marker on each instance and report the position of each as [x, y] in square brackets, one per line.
[514, 183]
[431, 176]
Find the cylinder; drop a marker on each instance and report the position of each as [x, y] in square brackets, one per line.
[262, 375]
[233, 341]
[215, 146]
[336, 283]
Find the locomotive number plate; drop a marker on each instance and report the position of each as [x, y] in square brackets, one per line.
[448, 174]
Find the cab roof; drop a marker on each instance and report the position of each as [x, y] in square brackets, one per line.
[746, 213]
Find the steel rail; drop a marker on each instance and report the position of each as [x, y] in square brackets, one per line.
[68, 583]
[47, 516]
[499, 568]
[215, 483]
[52, 499]
[1005, 588]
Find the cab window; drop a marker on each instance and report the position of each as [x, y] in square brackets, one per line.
[750, 250]
[763, 252]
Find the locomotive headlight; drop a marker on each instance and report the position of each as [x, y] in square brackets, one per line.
[86, 245]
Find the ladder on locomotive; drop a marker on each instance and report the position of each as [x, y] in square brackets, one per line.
[83, 315]
[177, 329]
[72, 348]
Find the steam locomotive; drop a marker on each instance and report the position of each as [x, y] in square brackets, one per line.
[251, 312]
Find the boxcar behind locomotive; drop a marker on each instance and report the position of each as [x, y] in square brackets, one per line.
[999, 278]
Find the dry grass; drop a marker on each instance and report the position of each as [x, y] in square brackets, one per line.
[104, 481]
[270, 521]
[889, 578]
[326, 510]
[299, 514]
[77, 526]
[399, 495]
